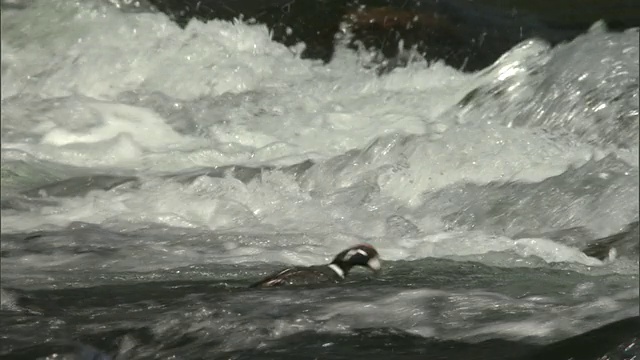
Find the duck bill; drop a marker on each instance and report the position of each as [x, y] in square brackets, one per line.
[374, 264]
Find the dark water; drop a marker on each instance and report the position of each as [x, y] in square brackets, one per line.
[129, 316]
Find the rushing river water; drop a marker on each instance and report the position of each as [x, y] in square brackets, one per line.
[151, 173]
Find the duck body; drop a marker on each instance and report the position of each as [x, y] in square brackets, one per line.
[360, 255]
[300, 275]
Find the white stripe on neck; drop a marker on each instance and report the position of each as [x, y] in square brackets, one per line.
[337, 270]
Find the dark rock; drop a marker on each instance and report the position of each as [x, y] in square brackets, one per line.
[469, 35]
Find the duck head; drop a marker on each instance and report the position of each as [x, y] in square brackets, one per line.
[359, 255]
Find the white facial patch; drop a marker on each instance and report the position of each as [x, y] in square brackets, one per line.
[374, 263]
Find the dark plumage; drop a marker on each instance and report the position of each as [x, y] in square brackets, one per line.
[359, 255]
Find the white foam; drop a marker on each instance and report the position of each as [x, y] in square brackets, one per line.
[275, 204]
[305, 108]
[146, 128]
[480, 155]
[552, 251]
[248, 100]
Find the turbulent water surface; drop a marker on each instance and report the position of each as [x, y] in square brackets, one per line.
[150, 173]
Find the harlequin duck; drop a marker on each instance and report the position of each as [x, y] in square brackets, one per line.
[362, 255]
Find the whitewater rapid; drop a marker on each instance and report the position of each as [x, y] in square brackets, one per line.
[395, 158]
